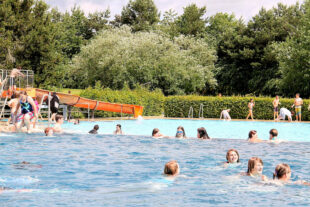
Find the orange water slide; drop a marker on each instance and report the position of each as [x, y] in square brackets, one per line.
[77, 101]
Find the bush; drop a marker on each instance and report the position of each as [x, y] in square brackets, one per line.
[178, 106]
[153, 102]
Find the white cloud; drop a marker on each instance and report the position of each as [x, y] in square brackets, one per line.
[241, 8]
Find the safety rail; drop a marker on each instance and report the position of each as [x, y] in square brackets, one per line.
[191, 112]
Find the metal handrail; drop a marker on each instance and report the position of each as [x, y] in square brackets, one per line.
[201, 111]
[191, 112]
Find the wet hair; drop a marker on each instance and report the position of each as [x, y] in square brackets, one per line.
[232, 150]
[203, 133]
[58, 117]
[252, 162]
[182, 128]
[251, 133]
[273, 132]
[96, 127]
[155, 131]
[171, 168]
[46, 130]
[120, 126]
[281, 170]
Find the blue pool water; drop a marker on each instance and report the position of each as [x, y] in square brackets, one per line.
[126, 170]
[216, 128]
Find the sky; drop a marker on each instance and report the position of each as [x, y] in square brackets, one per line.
[241, 8]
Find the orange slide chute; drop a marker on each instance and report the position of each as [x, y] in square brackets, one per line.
[85, 103]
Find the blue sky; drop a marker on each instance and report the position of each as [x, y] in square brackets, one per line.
[244, 8]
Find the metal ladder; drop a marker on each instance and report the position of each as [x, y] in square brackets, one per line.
[3, 101]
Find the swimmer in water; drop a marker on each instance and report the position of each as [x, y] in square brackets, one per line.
[282, 174]
[172, 168]
[180, 132]
[255, 168]
[253, 137]
[94, 130]
[26, 165]
[232, 157]
[273, 135]
[59, 121]
[49, 131]
[202, 133]
[156, 133]
[118, 129]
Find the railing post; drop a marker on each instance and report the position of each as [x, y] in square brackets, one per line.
[49, 109]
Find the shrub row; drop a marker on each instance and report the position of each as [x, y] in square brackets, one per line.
[179, 106]
[153, 102]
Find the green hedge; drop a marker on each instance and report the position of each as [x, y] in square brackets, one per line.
[178, 106]
[153, 102]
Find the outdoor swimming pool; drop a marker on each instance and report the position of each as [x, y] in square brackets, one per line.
[110, 170]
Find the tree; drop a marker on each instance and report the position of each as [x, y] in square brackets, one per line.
[140, 14]
[293, 56]
[118, 56]
[29, 35]
[191, 22]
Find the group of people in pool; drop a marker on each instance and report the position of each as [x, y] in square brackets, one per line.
[202, 134]
[282, 172]
[284, 112]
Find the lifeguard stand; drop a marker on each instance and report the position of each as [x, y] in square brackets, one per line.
[21, 83]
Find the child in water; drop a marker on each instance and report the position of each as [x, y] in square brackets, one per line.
[253, 137]
[282, 175]
[94, 130]
[202, 133]
[273, 135]
[255, 168]
[59, 121]
[156, 133]
[118, 129]
[180, 132]
[172, 168]
[232, 157]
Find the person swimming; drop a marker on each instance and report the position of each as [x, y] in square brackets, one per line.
[282, 173]
[49, 131]
[118, 129]
[253, 137]
[172, 168]
[94, 130]
[255, 168]
[202, 133]
[180, 132]
[156, 133]
[232, 157]
[59, 121]
[273, 135]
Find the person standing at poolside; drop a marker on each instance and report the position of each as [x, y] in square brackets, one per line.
[298, 102]
[275, 104]
[225, 115]
[251, 104]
